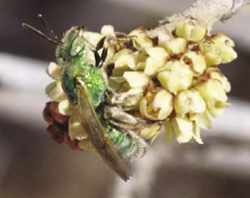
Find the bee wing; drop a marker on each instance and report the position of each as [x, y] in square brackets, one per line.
[96, 132]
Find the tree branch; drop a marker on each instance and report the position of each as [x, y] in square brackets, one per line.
[205, 12]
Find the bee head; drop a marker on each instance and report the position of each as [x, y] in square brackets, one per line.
[70, 49]
[73, 47]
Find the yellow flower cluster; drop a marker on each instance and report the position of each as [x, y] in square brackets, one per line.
[174, 78]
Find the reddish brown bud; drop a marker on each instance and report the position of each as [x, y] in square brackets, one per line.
[56, 132]
[74, 144]
[53, 108]
[47, 114]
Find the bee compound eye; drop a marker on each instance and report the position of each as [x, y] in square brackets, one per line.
[77, 46]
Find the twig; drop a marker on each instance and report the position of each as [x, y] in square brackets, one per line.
[205, 12]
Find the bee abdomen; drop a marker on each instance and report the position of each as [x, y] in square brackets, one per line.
[128, 144]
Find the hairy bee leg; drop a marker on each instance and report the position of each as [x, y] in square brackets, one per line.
[141, 144]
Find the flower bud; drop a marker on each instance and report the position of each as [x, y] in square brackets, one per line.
[176, 46]
[58, 117]
[54, 70]
[121, 58]
[56, 132]
[141, 40]
[157, 106]
[213, 93]
[179, 78]
[151, 131]
[196, 61]
[158, 53]
[152, 66]
[183, 129]
[47, 114]
[189, 101]
[227, 54]
[108, 30]
[76, 130]
[73, 144]
[202, 120]
[221, 39]
[225, 45]
[157, 57]
[216, 74]
[211, 53]
[191, 32]
[65, 107]
[55, 92]
[92, 37]
[136, 79]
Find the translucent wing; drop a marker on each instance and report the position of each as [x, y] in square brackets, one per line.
[97, 135]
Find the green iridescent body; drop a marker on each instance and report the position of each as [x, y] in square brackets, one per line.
[127, 144]
[85, 86]
[72, 56]
[90, 75]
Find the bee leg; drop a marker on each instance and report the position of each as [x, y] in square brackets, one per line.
[104, 54]
[99, 60]
[100, 44]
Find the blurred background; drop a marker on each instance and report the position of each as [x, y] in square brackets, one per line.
[32, 165]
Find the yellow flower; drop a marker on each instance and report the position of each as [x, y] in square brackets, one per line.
[54, 70]
[140, 38]
[55, 92]
[225, 46]
[65, 107]
[136, 79]
[190, 31]
[183, 129]
[196, 61]
[222, 39]
[211, 53]
[158, 56]
[218, 49]
[216, 74]
[158, 53]
[176, 46]
[157, 106]
[202, 120]
[108, 30]
[151, 131]
[75, 130]
[213, 93]
[189, 101]
[178, 78]
[122, 62]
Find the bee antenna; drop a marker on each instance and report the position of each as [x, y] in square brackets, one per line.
[46, 26]
[39, 33]
[51, 38]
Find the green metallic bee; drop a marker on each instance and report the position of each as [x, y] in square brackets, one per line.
[111, 131]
